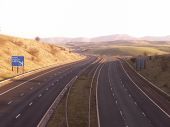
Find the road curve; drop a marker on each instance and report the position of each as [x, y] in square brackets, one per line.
[26, 104]
[121, 103]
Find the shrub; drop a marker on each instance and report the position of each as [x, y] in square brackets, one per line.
[33, 52]
[18, 43]
[53, 49]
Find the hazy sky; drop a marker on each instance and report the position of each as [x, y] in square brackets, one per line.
[88, 18]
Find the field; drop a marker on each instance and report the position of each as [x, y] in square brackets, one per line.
[123, 48]
[37, 54]
[126, 51]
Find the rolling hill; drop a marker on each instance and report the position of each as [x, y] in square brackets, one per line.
[37, 54]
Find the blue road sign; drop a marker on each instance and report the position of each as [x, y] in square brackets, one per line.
[17, 60]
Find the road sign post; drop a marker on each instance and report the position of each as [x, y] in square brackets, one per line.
[17, 61]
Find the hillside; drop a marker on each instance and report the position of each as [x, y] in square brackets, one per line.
[108, 38]
[37, 54]
[158, 71]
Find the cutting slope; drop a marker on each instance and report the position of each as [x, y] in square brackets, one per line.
[37, 54]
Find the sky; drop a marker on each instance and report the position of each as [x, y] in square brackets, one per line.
[84, 18]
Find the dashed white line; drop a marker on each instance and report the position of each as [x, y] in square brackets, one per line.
[10, 102]
[31, 88]
[22, 94]
[113, 94]
[144, 92]
[135, 103]
[116, 101]
[30, 103]
[18, 116]
[121, 113]
[52, 84]
[25, 82]
[143, 114]
[129, 95]
[46, 89]
[39, 95]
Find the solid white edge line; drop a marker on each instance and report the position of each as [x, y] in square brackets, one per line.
[91, 85]
[26, 82]
[147, 79]
[97, 106]
[57, 98]
[34, 77]
[144, 92]
[41, 121]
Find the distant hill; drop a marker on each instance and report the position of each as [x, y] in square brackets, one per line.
[37, 54]
[108, 38]
[153, 38]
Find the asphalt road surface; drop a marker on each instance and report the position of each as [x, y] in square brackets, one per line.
[24, 101]
[125, 101]
[124, 98]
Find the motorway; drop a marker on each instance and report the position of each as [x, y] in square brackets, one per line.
[126, 100]
[24, 101]
[123, 98]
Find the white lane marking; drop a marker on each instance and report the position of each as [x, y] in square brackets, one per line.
[22, 94]
[111, 88]
[91, 86]
[18, 116]
[39, 95]
[97, 106]
[129, 95]
[121, 113]
[113, 94]
[135, 103]
[10, 102]
[143, 114]
[144, 92]
[31, 88]
[39, 83]
[26, 82]
[116, 101]
[30, 103]
[46, 89]
[52, 84]
[123, 85]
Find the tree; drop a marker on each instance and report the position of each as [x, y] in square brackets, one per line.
[37, 38]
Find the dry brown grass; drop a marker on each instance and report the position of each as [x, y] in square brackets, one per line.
[37, 54]
[158, 71]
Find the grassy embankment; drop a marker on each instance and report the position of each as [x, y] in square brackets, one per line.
[158, 71]
[37, 54]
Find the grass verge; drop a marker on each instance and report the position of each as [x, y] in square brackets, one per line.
[58, 117]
